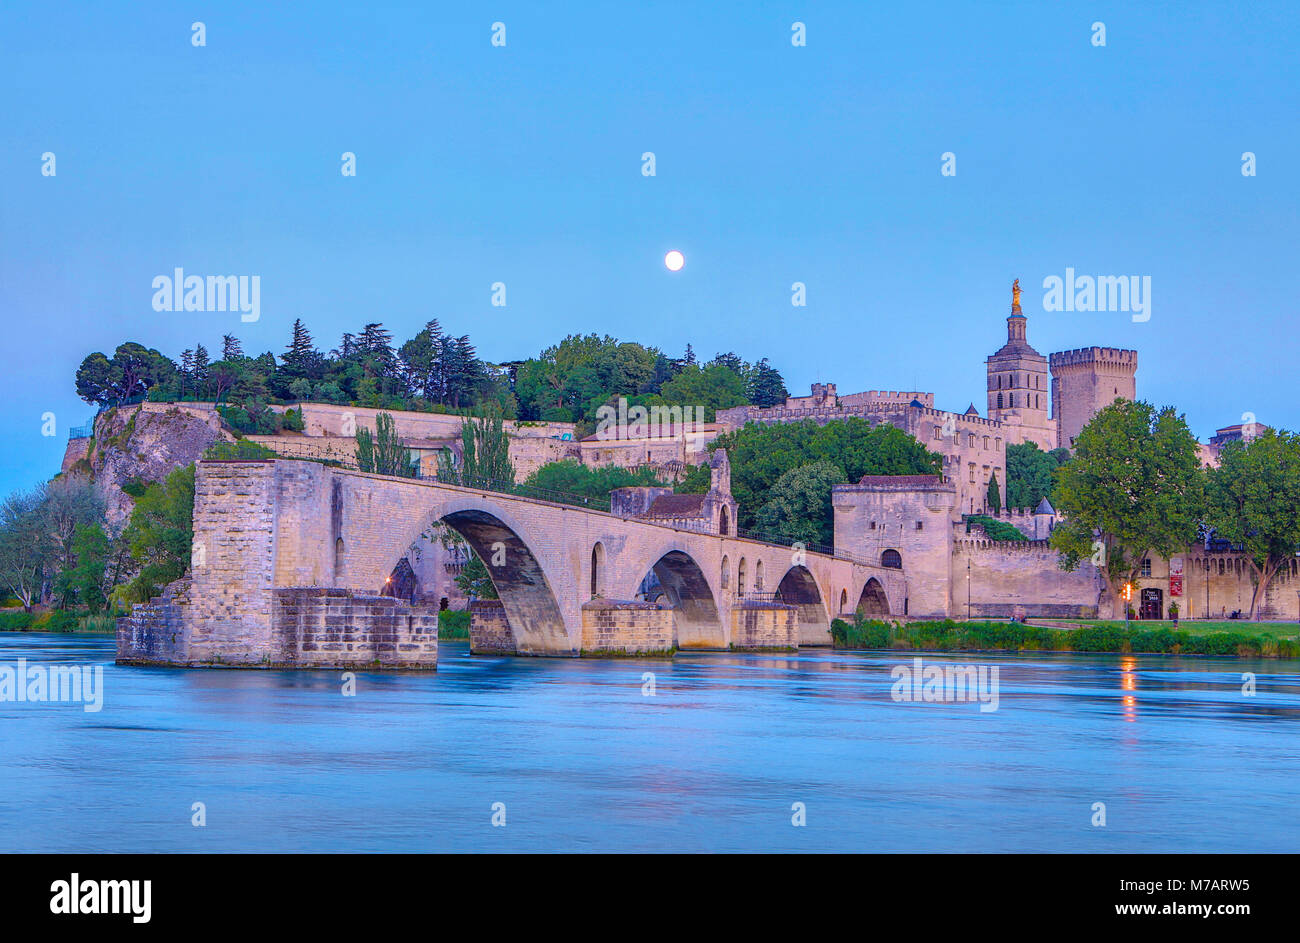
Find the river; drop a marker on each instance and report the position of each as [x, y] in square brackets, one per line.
[718, 758]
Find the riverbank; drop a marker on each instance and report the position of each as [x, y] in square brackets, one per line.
[1101, 637]
[57, 620]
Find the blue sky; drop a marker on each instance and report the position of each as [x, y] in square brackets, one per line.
[775, 164]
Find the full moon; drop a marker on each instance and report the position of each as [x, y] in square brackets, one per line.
[674, 260]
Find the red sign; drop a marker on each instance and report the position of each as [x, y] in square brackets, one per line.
[1175, 586]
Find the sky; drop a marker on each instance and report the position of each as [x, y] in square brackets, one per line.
[774, 164]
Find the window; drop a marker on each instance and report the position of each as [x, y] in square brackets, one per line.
[740, 577]
[1146, 567]
[937, 434]
[891, 559]
[970, 440]
[999, 401]
[972, 471]
[920, 525]
[726, 573]
[758, 577]
[997, 444]
[986, 442]
[873, 525]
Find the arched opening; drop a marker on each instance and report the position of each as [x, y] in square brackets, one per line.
[798, 588]
[402, 582]
[517, 577]
[758, 576]
[724, 521]
[597, 568]
[844, 600]
[873, 602]
[677, 579]
[726, 572]
[740, 578]
[892, 559]
[338, 559]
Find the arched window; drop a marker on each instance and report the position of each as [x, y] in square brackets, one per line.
[726, 573]
[999, 401]
[724, 521]
[844, 599]
[758, 576]
[597, 564]
[892, 559]
[740, 577]
[338, 557]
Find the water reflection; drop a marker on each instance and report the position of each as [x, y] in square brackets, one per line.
[711, 761]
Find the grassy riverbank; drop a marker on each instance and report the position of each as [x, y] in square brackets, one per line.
[56, 620]
[950, 636]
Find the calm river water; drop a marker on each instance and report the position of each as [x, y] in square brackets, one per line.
[713, 761]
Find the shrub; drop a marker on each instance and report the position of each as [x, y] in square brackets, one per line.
[453, 623]
[15, 621]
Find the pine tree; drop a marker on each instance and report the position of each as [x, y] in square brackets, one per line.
[200, 369]
[230, 348]
[301, 352]
[187, 370]
[766, 385]
[994, 497]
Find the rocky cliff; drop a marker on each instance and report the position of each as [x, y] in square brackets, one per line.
[141, 443]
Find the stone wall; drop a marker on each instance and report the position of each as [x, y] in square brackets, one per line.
[334, 628]
[1005, 575]
[618, 627]
[489, 629]
[764, 625]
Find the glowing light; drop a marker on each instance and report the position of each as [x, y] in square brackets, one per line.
[674, 260]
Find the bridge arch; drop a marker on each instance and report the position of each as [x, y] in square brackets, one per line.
[873, 601]
[697, 620]
[799, 588]
[504, 545]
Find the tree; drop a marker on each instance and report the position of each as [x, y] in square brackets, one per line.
[485, 451]
[68, 502]
[571, 477]
[766, 386]
[761, 454]
[85, 580]
[994, 495]
[1029, 473]
[474, 579]
[1134, 488]
[300, 357]
[709, 389]
[798, 508]
[383, 453]
[26, 548]
[1253, 498]
[230, 348]
[161, 532]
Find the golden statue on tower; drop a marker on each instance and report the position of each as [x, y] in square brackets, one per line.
[1015, 293]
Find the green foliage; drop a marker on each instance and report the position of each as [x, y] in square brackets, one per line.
[453, 624]
[798, 508]
[1029, 474]
[84, 580]
[709, 388]
[26, 546]
[1253, 498]
[696, 480]
[485, 449]
[160, 533]
[993, 497]
[383, 453]
[572, 477]
[761, 454]
[239, 450]
[1134, 487]
[995, 529]
[16, 621]
[129, 375]
[951, 636]
[474, 579]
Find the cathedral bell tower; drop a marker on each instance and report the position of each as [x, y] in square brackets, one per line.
[1018, 388]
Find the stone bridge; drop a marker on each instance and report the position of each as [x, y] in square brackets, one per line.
[292, 557]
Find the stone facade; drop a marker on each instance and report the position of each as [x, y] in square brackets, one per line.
[1087, 380]
[624, 627]
[489, 629]
[757, 625]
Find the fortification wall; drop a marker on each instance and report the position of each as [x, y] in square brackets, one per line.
[1004, 575]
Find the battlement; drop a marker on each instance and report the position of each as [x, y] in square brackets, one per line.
[1090, 356]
